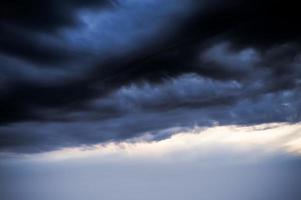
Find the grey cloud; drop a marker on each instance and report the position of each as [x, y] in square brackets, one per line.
[143, 66]
[223, 58]
[123, 29]
[137, 110]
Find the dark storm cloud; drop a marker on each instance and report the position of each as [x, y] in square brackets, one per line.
[83, 72]
[157, 110]
[44, 16]
[21, 20]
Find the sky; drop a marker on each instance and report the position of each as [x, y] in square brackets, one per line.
[131, 99]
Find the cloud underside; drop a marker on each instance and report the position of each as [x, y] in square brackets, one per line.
[225, 144]
[78, 73]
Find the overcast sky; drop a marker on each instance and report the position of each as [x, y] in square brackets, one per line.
[77, 74]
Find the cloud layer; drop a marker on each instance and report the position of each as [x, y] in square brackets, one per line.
[80, 73]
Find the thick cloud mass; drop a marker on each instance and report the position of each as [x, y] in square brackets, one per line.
[83, 72]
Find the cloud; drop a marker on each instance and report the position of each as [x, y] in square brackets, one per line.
[136, 110]
[112, 70]
[124, 28]
[145, 107]
[269, 139]
[52, 14]
[51, 63]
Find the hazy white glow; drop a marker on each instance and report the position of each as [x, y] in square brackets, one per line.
[266, 138]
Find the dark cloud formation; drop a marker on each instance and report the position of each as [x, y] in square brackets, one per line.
[83, 72]
[39, 15]
[21, 20]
